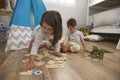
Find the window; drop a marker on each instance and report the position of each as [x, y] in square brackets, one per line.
[71, 3]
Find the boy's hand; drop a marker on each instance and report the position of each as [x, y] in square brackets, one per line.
[86, 50]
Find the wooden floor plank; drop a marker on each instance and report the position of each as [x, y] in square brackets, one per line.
[11, 66]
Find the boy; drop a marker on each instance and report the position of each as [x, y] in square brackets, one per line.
[74, 39]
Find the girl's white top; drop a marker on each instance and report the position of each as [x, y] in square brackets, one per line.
[41, 36]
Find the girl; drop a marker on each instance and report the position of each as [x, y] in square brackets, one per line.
[51, 27]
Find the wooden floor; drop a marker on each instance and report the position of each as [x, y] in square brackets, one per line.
[77, 68]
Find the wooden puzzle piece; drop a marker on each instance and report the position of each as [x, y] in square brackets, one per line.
[55, 66]
[59, 62]
[52, 57]
[27, 55]
[57, 59]
[51, 62]
[64, 55]
[39, 63]
[60, 58]
[46, 53]
[31, 72]
[39, 57]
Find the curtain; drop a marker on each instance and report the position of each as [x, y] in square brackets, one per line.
[38, 10]
[21, 14]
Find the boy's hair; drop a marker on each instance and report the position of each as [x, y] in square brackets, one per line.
[53, 18]
[71, 22]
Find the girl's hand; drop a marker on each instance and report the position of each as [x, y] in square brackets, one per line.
[58, 54]
[29, 66]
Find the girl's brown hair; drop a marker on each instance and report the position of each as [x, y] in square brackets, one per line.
[53, 18]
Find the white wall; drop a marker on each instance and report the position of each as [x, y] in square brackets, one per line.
[77, 10]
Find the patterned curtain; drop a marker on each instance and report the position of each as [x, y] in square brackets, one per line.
[38, 10]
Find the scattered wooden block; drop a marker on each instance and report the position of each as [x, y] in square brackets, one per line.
[60, 58]
[27, 55]
[39, 57]
[59, 62]
[64, 55]
[46, 53]
[39, 63]
[52, 57]
[57, 59]
[50, 62]
[29, 72]
[55, 66]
